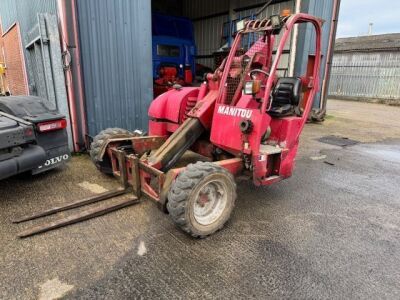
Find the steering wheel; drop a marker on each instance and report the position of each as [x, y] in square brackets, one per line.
[258, 71]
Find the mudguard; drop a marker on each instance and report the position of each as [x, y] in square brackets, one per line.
[171, 105]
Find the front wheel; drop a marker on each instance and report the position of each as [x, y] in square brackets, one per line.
[202, 198]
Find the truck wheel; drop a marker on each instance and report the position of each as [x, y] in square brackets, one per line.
[105, 165]
[202, 198]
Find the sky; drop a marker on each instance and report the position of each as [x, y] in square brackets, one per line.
[355, 15]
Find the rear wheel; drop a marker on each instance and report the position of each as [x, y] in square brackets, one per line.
[202, 198]
[104, 165]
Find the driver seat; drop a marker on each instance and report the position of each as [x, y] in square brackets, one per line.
[285, 96]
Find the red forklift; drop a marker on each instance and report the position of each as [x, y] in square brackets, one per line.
[244, 120]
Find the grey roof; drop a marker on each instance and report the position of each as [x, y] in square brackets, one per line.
[382, 42]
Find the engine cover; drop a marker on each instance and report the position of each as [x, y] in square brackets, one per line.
[169, 109]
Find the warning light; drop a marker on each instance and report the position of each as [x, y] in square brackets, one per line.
[285, 13]
[276, 23]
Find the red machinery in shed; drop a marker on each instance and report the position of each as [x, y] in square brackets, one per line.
[244, 120]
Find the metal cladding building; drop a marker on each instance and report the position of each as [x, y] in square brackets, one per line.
[105, 48]
[367, 67]
[36, 49]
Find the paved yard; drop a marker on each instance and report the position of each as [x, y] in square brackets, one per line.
[330, 231]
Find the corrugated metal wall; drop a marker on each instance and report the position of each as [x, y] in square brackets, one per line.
[195, 9]
[40, 40]
[116, 52]
[306, 41]
[207, 35]
[374, 75]
[25, 12]
[208, 31]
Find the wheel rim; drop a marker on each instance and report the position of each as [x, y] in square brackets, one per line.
[210, 202]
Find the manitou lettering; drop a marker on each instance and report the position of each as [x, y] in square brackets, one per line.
[234, 111]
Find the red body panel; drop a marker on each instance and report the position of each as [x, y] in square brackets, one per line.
[204, 109]
[284, 133]
[225, 131]
[160, 128]
[168, 110]
[171, 105]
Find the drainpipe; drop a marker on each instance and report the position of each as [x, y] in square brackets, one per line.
[73, 72]
[320, 114]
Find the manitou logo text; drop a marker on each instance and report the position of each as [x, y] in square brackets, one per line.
[234, 111]
[54, 160]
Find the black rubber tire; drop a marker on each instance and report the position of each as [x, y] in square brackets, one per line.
[181, 197]
[105, 165]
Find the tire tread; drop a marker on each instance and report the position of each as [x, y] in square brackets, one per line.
[181, 189]
[98, 142]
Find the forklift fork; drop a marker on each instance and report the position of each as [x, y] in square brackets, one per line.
[135, 176]
[88, 213]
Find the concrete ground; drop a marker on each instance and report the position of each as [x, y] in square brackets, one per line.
[330, 231]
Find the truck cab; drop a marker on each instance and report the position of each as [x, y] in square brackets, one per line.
[174, 52]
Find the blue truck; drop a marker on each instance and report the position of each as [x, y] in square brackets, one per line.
[174, 52]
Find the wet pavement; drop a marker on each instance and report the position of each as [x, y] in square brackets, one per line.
[330, 231]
